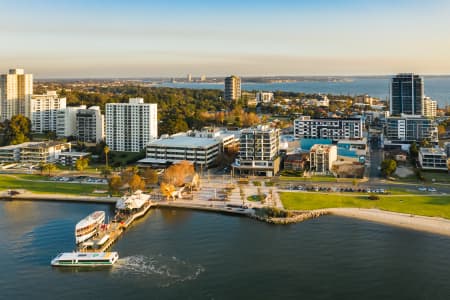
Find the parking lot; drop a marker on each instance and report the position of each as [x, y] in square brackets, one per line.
[80, 179]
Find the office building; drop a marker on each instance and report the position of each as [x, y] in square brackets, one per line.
[328, 128]
[131, 126]
[321, 158]
[232, 88]
[90, 125]
[407, 129]
[33, 152]
[70, 158]
[43, 111]
[16, 89]
[66, 121]
[407, 95]
[433, 159]
[429, 107]
[259, 151]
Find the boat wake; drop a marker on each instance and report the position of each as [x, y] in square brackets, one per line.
[164, 271]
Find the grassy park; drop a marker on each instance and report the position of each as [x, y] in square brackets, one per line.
[425, 205]
[36, 184]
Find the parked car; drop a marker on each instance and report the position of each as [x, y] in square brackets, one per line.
[422, 189]
[432, 189]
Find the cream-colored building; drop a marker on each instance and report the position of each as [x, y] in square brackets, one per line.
[429, 107]
[321, 158]
[43, 111]
[232, 88]
[16, 89]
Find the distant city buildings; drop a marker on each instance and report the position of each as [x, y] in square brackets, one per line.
[16, 89]
[203, 78]
[232, 88]
[131, 126]
[429, 107]
[259, 151]
[189, 77]
[264, 97]
[407, 95]
[43, 110]
[90, 125]
[328, 128]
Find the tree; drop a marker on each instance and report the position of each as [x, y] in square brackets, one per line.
[17, 130]
[167, 190]
[388, 167]
[150, 176]
[413, 150]
[82, 163]
[177, 173]
[136, 183]
[114, 183]
[106, 151]
[48, 167]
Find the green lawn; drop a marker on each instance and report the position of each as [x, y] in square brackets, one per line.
[435, 206]
[31, 183]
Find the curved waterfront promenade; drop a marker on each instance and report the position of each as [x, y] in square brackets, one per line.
[415, 222]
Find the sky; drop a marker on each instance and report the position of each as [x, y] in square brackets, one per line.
[132, 38]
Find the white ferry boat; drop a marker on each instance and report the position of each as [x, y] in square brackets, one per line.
[85, 259]
[87, 227]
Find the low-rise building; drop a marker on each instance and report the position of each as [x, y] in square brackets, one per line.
[33, 152]
[201, 151]
[328, 128]
[264, 97]
[70, 158]
[433, 159]
[321, 158]
[406, 129]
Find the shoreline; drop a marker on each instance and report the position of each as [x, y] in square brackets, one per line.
[434, 225]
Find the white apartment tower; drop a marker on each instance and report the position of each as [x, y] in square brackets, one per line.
[43, 111]
[131, 126]
[16, 89]
[90, 125]
[66, 121]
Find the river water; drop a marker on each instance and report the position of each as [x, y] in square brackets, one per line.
[437, 88]
[181, 254]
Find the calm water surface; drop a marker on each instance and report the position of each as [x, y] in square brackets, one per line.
[437, 88]
[193, 255]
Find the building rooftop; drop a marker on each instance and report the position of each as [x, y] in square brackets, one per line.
[322, 148]
[75, 153]
[432, 151]
[184, 141]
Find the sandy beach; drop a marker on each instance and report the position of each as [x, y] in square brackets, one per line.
[422, 223]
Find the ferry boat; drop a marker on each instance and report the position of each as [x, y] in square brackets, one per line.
[87, 227]
[85, 259]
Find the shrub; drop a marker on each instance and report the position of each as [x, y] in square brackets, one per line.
[374, 197]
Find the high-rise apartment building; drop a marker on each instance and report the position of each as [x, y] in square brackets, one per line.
[232, 88]
[66, 121]
[429, 107]
[16, 89]
[407, 129]
[131, 126]
[259, 151]
[407, 95]
[43, 111]
[90, 125]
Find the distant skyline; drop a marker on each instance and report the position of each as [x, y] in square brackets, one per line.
[69, 39]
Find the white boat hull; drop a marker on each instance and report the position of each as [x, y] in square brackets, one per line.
[83, 238]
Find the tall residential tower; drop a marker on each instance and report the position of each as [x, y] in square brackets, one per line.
[232, 88]
[131, 126]
[16, 89]
[407, 95]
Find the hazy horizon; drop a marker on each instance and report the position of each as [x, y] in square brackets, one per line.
[116, 39]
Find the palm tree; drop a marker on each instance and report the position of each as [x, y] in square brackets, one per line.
[106, 151]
